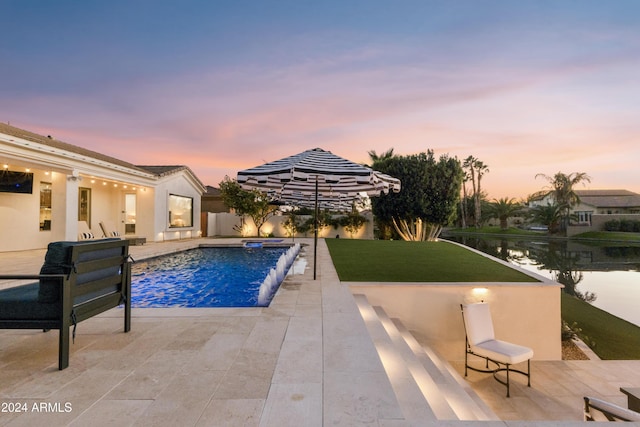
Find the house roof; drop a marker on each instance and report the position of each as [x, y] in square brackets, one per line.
[60, 145]
[158, 171]
[609, 198]
[162, 171]
[212, 191]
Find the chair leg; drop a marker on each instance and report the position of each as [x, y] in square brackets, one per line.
[529, 373]
[508, 380]
[63, 348]
[466, 364]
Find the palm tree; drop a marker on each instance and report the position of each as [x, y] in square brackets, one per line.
[549, 215]
[463, 201]
[561, 189]
[375, 157]
[481, 169]
[504, 209]
[384, 228]
[477, 169]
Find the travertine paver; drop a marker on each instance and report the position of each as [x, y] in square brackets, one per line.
[305, 360]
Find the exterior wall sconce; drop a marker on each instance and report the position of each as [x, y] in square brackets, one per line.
[478, 294]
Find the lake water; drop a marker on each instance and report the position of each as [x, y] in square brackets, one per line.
[609, 275]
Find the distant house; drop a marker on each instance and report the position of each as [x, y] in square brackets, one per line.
[48, 188]
[609, 202]
[212, 201]
[598, 206]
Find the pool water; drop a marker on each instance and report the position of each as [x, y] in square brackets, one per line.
[203, 277]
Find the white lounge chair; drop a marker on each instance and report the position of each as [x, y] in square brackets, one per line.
[84, 232]
[481, 342]
[610, 411]
[109, 229]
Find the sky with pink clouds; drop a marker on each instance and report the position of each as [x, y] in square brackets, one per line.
[527, 87]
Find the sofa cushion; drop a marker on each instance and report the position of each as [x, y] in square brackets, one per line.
[58, 261]
[21, 303]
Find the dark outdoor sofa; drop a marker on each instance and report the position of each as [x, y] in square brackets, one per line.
[78, 280]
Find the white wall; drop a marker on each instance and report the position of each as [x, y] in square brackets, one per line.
[20, 215]
[523, 313]
[177, 184]
[222, 224]
[146, 213]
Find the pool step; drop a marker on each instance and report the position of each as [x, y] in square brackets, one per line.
[426, 387]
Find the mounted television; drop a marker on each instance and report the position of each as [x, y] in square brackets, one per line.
[16, 182]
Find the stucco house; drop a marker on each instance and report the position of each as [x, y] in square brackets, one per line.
[49, 187]
[608, 202]
[597, 207]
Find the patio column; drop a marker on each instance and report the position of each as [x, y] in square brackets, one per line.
[71, 206]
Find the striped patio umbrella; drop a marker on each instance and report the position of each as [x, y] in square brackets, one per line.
[317, 178]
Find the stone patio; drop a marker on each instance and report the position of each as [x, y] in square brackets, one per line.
[307, 360]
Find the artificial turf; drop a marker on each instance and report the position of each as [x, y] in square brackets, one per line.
[400, 261]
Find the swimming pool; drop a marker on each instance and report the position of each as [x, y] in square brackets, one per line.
[203, 277]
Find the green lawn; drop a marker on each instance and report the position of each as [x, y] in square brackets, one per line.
[400, 261]
[496, 230]
[605, 236]
[613, 337]
[610, 235]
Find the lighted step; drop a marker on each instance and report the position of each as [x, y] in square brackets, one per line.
[458, 393]
[430, 389]
[408, 393]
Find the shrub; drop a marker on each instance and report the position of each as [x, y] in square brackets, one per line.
[612, 225]
[626, 225]
[622, 225]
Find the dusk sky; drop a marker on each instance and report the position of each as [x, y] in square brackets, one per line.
[527, 87]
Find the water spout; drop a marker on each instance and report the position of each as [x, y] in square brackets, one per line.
[277, 275]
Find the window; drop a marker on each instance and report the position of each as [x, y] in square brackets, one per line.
[45, 206]
[84, 205]
[584, 217]
[180, 211]
[130, 213]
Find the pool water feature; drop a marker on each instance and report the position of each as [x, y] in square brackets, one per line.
[276, 275]
[209, 277]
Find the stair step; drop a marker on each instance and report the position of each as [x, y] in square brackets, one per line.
[408, 393]
[458, 393]
[430, 389]
[426, 386]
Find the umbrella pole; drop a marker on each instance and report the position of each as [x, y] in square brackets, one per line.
[315, 233]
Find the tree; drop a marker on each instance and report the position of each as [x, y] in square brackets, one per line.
[463, 201]
[428, 198]
[549, 215]
[325, 219]
[561, 189]
[253, 203]
[504, 209]
[291, 225]
[476, 169]
[353, 221]
[379, 158]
